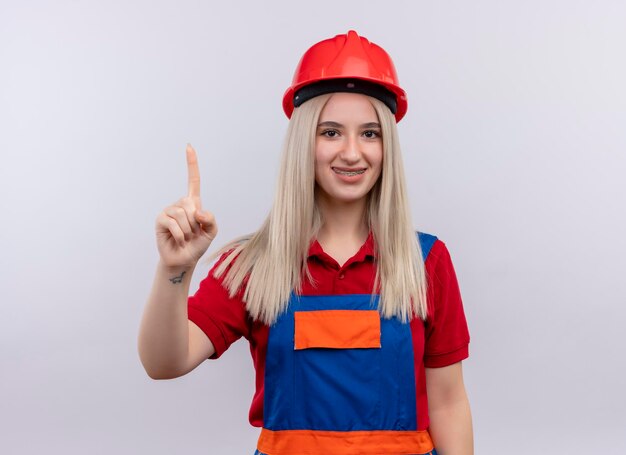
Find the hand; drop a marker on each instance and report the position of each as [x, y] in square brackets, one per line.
[183, 231]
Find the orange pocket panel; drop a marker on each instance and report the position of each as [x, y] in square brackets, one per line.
[339, 329]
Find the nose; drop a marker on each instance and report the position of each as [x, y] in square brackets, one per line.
[350, 152]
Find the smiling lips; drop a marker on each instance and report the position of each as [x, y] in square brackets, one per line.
[347, 171]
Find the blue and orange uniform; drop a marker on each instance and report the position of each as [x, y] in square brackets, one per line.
[332, 376]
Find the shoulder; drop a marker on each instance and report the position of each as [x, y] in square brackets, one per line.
[426, 242]
[437, 259]
[226, 256]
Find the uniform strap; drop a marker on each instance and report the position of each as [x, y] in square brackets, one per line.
[426, 243]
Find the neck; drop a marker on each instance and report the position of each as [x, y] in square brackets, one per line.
[342, 220]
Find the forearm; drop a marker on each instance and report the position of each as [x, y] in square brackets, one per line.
[163, 342]
[451, 427]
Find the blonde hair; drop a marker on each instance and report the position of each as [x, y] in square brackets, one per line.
[271, 262]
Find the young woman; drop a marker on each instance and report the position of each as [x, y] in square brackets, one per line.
[355, 321]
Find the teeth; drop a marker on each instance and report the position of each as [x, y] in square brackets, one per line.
[349, 173]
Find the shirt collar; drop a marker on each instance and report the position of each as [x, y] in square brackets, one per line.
[368, 249]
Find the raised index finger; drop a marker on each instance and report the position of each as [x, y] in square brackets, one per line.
[193, 174]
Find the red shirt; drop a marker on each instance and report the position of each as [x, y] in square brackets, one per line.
[441, 340]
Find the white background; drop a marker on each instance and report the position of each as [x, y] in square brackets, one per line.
[515, 150]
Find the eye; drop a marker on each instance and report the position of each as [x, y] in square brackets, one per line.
[371, 134]
[330, 133]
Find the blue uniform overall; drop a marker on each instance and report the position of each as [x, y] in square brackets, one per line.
[322, 390]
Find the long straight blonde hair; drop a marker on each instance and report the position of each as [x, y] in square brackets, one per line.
[271, 262]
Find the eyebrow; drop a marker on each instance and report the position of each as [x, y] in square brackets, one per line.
[339, 125]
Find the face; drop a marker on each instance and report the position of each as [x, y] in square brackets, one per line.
[348, 148]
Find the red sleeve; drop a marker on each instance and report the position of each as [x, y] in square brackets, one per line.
[223, 319]
[447, 335]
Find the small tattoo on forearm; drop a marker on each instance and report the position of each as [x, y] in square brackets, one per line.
[178, 279]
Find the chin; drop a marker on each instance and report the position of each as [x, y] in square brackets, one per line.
[347, 198]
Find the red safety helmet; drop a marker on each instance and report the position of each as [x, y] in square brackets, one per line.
[348, 56]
